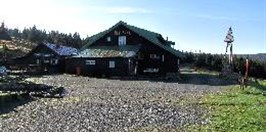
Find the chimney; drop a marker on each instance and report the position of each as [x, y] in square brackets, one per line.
[166, 38]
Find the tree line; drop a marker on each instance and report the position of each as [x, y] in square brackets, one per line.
[217, 61]
[37, 35]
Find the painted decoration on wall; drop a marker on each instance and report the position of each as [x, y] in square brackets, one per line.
[122, 32]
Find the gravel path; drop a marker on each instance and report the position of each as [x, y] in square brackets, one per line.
[110, 105]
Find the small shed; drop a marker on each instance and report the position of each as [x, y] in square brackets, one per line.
[48, 56]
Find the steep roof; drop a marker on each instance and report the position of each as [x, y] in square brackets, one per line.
[60, 49]
[109, 51]
[153, 37]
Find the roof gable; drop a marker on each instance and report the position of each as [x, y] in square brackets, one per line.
[153, 37]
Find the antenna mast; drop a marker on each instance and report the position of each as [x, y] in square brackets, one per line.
[229, 39]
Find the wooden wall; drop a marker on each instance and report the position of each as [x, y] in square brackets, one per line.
[101, 67]
[168, 65]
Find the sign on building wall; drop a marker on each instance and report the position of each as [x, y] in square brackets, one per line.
[122, 32]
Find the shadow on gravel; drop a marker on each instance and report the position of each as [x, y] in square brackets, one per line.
[9, 102]
[185, 78]
[16, 91]
[12, 98]
[205, 79]
[145, 78]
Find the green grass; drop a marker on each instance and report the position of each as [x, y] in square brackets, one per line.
[236, 109]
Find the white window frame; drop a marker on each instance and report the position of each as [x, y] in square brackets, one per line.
[38, 61]
[111, 64]
[46, 60]
[151, 70]
[54, 61]
[108, 39]
[154, 56]
[90, 62]
[47, 55]
[37, 54]
[122, 40]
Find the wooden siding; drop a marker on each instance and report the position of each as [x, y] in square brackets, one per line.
[131, 37]
[30, 57]
[101, 67]
[31, 60]
[168, 65]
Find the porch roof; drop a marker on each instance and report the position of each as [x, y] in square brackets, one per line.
[126, 51]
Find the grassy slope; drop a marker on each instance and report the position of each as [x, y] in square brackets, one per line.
[236, 110]
[16, 47]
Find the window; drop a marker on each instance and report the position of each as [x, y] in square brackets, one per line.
[54, 61]
[122, 40]
[46, 61]
[47, 55]
[109, 39]
[37, 54]
[38, 61]
[151, 70]
[111, 64]
[154, 56]
[90, 62]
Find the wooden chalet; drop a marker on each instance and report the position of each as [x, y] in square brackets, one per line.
[46, 56]
[125, 50]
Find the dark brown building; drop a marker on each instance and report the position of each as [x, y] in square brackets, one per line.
[125, 50]
[48, 56]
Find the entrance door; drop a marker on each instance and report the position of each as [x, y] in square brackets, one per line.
[132, 67]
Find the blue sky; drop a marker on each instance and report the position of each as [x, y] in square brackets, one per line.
[193, 24]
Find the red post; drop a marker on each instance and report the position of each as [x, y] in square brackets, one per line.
[78, 70]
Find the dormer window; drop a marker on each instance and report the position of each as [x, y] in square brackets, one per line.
[122, 40]
[108, 39]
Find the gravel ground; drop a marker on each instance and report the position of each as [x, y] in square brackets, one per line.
[94, 104]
